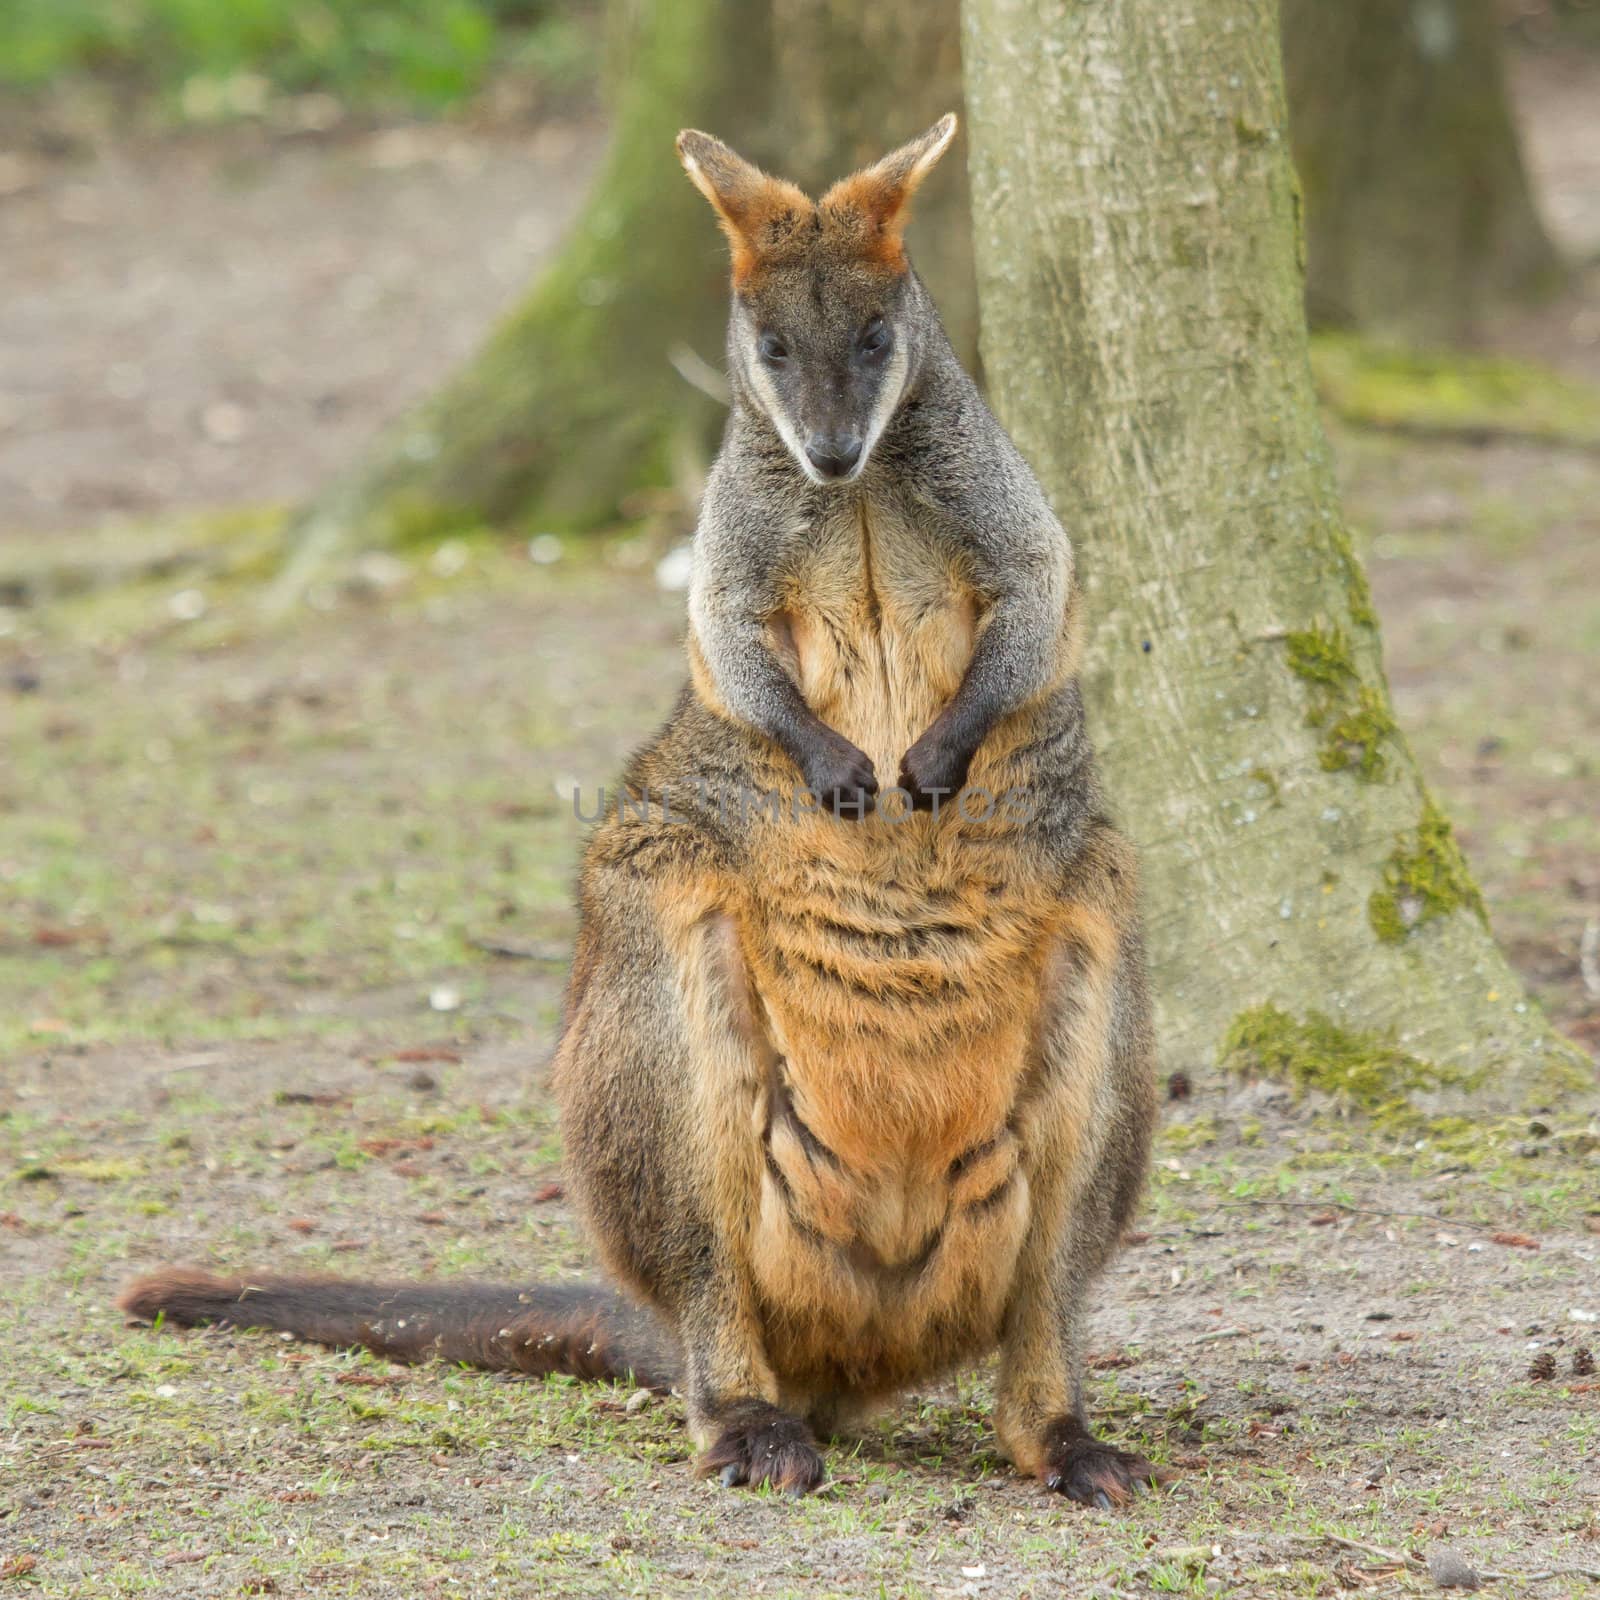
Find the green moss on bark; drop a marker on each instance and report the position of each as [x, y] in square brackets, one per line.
[1362, 611]
[1321, 656]
[1354, 716]
[1356, 738]
[1268, 781]
[1426, 877]
[1368, 1070]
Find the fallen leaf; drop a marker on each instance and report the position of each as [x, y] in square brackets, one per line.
[388, 1147]
[301, 1224]
[448, 1056]
[59, 938]
[1517, 1241]
[18, 1567]
[546, 1192]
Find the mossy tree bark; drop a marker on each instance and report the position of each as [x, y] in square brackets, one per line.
[1418, 209]
[575, 400]
[1144, 337]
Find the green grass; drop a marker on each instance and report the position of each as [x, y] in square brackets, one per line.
[226, 56]
[1449, 392]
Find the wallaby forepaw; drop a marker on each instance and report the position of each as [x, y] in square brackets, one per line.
[1093, 1473]
[759, 1444]
[933, 773]
[843, 781]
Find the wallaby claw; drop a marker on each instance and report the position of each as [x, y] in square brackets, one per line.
[760, 1446]
[1085, 1469]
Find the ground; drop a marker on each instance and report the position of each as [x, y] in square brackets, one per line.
[285, 922]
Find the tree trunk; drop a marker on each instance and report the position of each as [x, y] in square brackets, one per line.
[1143, 331]
[1418, 211]
[575, 400]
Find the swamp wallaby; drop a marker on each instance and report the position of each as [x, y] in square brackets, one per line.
[853, 1091]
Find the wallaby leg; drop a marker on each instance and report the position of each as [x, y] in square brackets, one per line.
[1087, 1137]
[659, 1074]
[743, 1433]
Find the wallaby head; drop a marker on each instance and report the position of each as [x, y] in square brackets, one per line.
[828, 317]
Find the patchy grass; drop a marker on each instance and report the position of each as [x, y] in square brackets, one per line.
[1451, 392]
[1309, 1333]
[204, 838]
[242, 861]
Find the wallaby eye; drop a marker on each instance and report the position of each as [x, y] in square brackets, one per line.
[873, 339]
[773, 350]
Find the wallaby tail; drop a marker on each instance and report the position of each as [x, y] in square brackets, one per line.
[582, 1329]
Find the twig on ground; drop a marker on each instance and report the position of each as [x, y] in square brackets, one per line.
[1591, 1573]
[1399, 1557]
[1357, 1211]
[1406, 1559]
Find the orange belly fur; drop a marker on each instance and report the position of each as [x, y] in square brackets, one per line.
[897, 966]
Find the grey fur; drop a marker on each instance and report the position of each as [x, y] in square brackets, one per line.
[941, 456]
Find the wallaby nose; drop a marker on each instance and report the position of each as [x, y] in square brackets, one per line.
[834, 455]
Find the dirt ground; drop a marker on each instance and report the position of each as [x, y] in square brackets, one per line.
[228, 317]
[283, 921]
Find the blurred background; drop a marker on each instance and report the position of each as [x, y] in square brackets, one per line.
[359, 360]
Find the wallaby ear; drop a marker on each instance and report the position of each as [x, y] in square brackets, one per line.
[877, 199]
[757, 212]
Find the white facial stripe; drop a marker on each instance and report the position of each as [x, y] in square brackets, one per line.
[889, 392]
[768, 394]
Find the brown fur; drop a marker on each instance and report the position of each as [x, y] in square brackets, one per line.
[847, 1103]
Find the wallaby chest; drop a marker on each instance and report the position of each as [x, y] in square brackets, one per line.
[877, 625]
